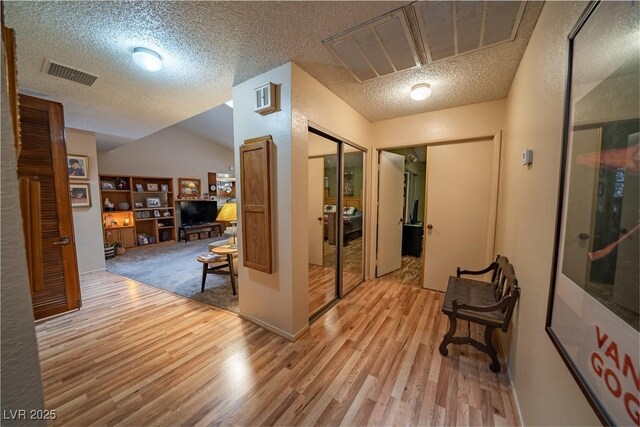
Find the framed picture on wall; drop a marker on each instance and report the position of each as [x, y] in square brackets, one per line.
[78, 166]
[189, 188]
[349, 184]
[80, 195]
[592, 316]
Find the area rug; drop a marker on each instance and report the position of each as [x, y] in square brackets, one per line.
[174, 268]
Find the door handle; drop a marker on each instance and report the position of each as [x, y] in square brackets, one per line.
[401, 221]
[319, 218]
[64, 241]
[429, 227]
[583, 236]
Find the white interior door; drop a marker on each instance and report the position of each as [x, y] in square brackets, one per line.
[461, 197]
[316, 210]
[390, 210]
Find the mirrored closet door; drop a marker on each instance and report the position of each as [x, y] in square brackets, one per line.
[336, 219]
[323, 263]
[352, 218]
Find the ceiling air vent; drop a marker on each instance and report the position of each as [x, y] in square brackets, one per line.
[73, 74]
[452, 28]
[377, 48]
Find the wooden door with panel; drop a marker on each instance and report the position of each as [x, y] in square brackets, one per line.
[46, 208]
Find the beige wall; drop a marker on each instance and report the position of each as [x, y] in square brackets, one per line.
[20, 367]
[546, 392]
[302, 99]
[87, 222]
[170, 152]
[469, 121]
[314, 103]
[269, 298]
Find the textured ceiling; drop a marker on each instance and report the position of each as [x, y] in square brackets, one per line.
[210, 46]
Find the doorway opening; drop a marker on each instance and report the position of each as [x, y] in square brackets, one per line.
[336, 219]
[436, 210]
[413, 211]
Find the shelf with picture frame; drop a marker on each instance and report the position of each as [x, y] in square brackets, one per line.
[151, 196]
[221, 185]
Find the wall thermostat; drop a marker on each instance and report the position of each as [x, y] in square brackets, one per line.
[527, 157]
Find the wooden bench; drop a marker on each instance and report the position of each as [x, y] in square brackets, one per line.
[488, 304]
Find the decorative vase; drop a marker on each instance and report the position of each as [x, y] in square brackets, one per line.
[109, 252]
[123, 206]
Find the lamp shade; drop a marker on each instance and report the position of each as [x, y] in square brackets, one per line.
[228, 213]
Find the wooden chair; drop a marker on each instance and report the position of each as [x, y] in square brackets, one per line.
[488, 304]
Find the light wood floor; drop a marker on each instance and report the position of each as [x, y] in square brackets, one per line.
[410, 272]
[136, 355]
[322, 280]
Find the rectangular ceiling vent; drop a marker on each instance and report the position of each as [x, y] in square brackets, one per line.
[68, 73]
[380, 47]
[452, 28]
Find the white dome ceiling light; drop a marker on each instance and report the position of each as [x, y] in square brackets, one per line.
[420, 91]
[147, 59]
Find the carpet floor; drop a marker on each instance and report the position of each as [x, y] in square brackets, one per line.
[174, 268]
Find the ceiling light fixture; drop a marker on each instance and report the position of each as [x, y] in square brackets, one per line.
[420, 91]
[147, 59]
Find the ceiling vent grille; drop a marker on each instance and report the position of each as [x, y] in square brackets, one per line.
[452, 28]
[377, 48]
[68, 73]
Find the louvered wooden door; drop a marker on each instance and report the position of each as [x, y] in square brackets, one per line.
[46, 208]
[255, 177]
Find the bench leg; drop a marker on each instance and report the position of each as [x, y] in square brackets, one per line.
[204, 274]
[491, 350]
[487, 347]
[448, 337]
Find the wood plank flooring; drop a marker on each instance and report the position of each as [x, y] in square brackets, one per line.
[136, 355]
[322, 280]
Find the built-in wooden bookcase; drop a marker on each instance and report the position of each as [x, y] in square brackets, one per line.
[140, 209]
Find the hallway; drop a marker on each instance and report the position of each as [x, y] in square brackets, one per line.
[137, 355]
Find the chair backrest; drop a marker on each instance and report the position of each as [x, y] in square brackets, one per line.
[511, 291]
[498, 278]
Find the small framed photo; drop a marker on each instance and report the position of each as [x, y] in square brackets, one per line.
[139, 187]
[156, 214]
[80, 195]
[164, 188]
[138, 205]
[152, 187]
[153, 202]
[78, 166]
[107, 185]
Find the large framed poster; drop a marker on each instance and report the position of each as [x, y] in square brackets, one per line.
[592, 317]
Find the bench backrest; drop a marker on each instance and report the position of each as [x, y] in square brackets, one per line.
[506, 287]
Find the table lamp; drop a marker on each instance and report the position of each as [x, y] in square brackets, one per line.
[228, 214]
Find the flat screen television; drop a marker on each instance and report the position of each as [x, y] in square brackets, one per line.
[197, 212]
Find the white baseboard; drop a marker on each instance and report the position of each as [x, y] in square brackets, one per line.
[275, 330]
[100, 270]
[514, 395]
